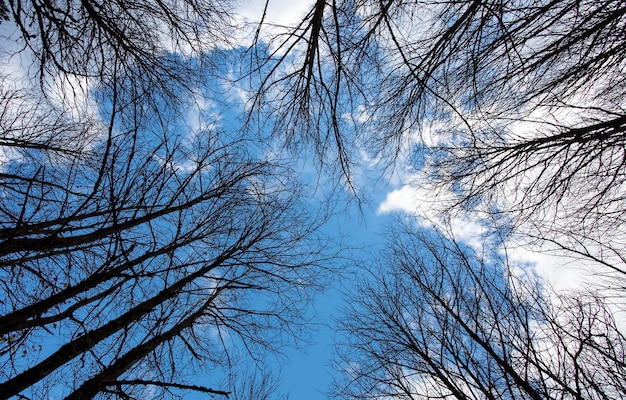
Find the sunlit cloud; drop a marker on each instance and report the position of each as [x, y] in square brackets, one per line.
[280, 16]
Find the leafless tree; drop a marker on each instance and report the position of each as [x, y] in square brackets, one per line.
[257, 384]
[440, 320]
[105, 40]
[481, 62]
[4, 12]
[514, 106]
[125, 259]
[141, 254]
[137, 253]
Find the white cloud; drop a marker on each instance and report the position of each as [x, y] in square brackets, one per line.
[72, 94]
[280, 16]
[279, 12]
[402, 199]
[430, 210]
[562, 271]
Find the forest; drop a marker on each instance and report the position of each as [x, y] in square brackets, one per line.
[173, 172]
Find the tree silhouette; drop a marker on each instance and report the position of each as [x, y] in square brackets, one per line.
[440, 320]
[127, 253]
[516, 108]
[137, 252]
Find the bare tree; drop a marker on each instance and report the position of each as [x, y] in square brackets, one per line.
[135, 253]
[257, 384]
[139, 254]
[516, 107]
[473, 61]
[104, 40]
[142, 254]
[440, 320]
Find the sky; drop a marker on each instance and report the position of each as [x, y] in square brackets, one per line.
[302, 373]
[307, 373]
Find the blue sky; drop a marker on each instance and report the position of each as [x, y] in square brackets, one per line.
[309, 372]
[306, 373]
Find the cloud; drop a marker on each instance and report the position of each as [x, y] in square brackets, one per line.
[279, 12]
[280, 16]
[402, 200]
[562, 271]
[431, 211]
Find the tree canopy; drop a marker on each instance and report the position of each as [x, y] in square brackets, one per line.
[516, 108]
[139, 249]
[153, 229]
[438, 319]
